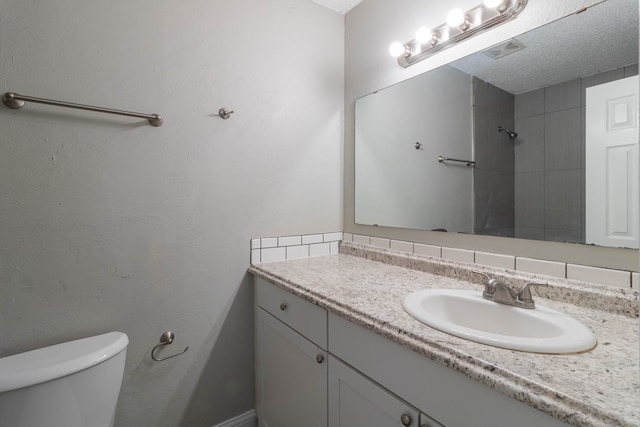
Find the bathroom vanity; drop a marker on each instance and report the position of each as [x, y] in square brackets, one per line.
[334, 347]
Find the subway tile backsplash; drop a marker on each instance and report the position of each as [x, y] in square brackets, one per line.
[618, 278]
[462, 255]
[272, 249]
[539, 266]
[380, 243]
[496, 260]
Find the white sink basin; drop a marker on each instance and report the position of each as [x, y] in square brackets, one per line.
[466, 314]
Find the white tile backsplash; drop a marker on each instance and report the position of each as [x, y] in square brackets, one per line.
[380, 243]
[456, 254]
[312, 238]
[273, 254]
[335, 247]
[255, 256]
[289, 241]
[270, 242]
[320, 249]
[496, 260]
[332, 237]
[399, 245]
[272, 249]
[363, 240]
[617, 278]
[427, 250]
[539, 266]
[297, 252]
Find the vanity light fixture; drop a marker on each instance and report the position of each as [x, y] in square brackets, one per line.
[456, 18]
[460, 26]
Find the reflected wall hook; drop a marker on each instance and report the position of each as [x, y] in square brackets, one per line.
[225, 113]
[166, 339]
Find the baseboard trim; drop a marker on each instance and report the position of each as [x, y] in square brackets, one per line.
[248, 419]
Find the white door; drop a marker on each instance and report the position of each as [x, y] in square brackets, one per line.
[291, 376]
[612, 188]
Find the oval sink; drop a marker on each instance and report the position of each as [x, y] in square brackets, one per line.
[466, 314]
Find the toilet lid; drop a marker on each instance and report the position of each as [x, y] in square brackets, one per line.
[48, 363]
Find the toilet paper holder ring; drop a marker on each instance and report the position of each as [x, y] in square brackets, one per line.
[165, 339]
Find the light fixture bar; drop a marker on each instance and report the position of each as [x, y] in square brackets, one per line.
[478, 20]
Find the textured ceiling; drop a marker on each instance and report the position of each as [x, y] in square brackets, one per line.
[602, 38]
[342, 6]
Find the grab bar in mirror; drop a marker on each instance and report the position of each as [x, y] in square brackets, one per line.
[442, 159]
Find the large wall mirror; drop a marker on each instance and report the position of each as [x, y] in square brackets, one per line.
[541, 133]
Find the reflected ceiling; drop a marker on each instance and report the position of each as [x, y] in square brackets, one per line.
[564, 49]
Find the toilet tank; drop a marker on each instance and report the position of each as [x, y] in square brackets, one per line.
[74, 384]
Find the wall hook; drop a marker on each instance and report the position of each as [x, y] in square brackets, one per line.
[225, 113]
[166, 339]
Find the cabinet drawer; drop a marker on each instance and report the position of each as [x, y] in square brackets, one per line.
[304, 317]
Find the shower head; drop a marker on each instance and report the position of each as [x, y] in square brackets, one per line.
[512, 135]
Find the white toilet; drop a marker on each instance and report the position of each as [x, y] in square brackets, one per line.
[74, 384]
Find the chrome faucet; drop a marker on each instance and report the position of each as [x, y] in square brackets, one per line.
[496, 291]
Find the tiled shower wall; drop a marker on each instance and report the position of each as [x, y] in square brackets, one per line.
[550, 159]
[493, 152]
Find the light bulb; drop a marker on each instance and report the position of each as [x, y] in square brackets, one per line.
[397, 49]
[494, 4]
[424, 35]
[457, 19]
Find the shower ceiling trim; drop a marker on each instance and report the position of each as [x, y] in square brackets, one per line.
[459, 27]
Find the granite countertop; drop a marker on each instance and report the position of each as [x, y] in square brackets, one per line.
[596, 388]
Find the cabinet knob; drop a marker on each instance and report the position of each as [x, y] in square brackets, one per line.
[283, 306]
[406, 419]
[319, 358]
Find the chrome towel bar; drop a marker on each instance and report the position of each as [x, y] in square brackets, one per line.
[449, 159]
[17, 101]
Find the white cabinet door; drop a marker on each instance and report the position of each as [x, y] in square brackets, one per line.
[355, 401]
[291, 376]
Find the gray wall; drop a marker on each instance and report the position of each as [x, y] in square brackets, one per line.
[370, 28]
[493, 151]
[550, 159]
[109, 224]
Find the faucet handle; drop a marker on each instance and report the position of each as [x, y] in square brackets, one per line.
[486, 276]
[491, 282]
[489, 285]
[524, 294]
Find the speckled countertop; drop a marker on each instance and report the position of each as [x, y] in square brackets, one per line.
[597, 388]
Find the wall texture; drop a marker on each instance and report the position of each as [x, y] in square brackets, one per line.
[370, 28]
[108, 224]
